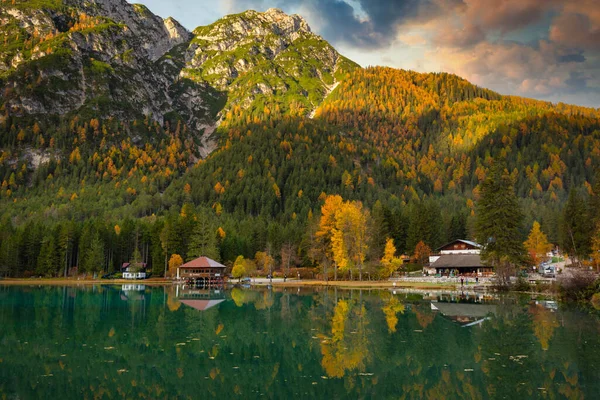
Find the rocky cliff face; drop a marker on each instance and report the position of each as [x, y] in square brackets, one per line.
[265, 56]
[109, 58]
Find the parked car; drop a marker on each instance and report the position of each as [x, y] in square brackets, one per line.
[549, 271]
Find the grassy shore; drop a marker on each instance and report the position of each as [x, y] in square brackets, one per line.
[291, 283]
[75, 282]
[368, 284]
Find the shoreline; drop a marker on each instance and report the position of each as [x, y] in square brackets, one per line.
[291, 283]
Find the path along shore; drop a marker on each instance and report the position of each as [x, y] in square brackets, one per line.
[413, 284]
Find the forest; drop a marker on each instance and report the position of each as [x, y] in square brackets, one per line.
[401, 155]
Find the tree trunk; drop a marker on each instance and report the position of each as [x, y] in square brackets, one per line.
[335, 271]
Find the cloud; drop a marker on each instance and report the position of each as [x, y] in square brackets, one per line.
[576, 30]
[368, 24]
[548, 49]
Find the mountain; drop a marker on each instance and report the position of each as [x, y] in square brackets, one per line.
[112, 116]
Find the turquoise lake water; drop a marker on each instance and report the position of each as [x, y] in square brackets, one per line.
[140, 342]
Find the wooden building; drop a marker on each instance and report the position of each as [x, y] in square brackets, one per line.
[202, 271]
[133, 270]
[459, 257]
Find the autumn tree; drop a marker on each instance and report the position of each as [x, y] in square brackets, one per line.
[175, 262]
[322, 247]
[537, 244]
[349, 240]
[422, 252]
[239, 268]
[390, 262]
[264, 261]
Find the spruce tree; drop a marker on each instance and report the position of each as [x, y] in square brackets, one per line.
[203, 242]
[576, 227]
[498, 219]
[94, 257]
[47, 260]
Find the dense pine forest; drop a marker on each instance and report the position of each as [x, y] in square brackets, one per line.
[401, 155]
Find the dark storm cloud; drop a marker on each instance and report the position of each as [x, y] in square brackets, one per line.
[575, 57]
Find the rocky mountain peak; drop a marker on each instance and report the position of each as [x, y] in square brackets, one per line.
[157, 36]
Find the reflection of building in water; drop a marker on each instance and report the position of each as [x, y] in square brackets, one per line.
[133, 292]
[202, 272]
[466, 314]
[200, 299]
[548, 304]
[460, 257]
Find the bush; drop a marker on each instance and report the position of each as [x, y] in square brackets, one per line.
[596, 301]
[522, 285]
[580, 286]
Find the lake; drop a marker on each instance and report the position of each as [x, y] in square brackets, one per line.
[135, 341]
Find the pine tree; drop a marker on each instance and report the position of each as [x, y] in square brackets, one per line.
[576, 227]
[498, 218]
[47, 262]
[203, 242]
[94, 257]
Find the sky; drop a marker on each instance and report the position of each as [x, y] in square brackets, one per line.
[544, 49]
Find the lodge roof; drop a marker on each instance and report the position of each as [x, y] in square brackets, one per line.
[467, 242]
[202, 304]
[202, 262]
[468, 310]
[458, 261]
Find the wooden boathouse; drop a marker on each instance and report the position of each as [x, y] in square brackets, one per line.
[202, 271]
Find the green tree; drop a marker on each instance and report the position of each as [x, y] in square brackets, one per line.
[203, 242]
[576, 227]
[48, 259]
[94, 256]
[498, 219]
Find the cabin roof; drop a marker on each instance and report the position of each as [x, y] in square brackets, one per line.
[467, 242]
[141, 266]
[458, 261]
[202, 262]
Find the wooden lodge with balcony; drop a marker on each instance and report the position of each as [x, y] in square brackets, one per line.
[459, 258]
[202, 271]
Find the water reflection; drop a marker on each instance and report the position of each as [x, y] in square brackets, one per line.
[153, 342]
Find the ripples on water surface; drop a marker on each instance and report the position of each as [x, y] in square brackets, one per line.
[132, 341]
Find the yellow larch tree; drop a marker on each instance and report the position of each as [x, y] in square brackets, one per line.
[537, 244]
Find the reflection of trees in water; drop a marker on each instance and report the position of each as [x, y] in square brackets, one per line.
[282, 343]
[544, 323]
[347, 348]
[391, 309]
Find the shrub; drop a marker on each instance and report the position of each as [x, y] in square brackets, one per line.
[522, 285]
[579, 286]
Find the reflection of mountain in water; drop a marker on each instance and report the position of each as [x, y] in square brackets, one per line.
[200, 299]
[466, 314]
